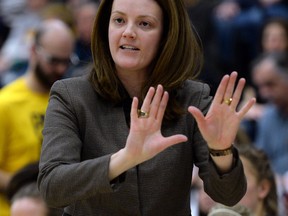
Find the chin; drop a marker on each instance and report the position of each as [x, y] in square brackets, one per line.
[129, 67]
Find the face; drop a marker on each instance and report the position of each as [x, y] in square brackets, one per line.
[274, 38]
[50, 67]
[28, 207]
[135, 30]
[271, 85]
[251, 197]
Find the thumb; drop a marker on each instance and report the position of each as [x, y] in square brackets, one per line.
[197, 114]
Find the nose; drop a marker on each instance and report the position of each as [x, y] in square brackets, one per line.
[129, 32]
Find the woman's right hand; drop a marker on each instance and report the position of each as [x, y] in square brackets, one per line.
[145, 139]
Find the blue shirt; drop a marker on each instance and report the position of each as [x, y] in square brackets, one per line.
[272, 137]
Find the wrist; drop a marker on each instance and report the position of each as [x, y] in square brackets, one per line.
[221, 152]
[119, 163]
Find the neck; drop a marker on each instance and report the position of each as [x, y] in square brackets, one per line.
[132, 81]
[260, 210]
[34, 84]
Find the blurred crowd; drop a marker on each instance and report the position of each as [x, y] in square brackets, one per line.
[250, 37]
[18, 21]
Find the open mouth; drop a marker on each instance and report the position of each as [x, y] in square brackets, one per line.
[125, 47]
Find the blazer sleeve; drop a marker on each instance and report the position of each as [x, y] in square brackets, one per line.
[229, 188]
[61, 170]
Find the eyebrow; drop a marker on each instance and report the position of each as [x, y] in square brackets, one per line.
[141, 16]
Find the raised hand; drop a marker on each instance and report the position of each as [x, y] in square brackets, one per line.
[145, 139]
[220, 125]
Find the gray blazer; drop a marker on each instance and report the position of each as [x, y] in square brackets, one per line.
[81, 132]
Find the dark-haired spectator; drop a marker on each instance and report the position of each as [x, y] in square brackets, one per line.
[24, 196]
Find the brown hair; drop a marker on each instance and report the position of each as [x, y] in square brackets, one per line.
[261, 165]
[179, 56]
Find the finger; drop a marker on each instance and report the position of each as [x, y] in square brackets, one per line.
[237, 94]
[218, 98]
[148, 98]
[134, 109]
[154, 107]
[246, 107]
[172, 140]
[230, 86]
[197, 114]
[162, 107]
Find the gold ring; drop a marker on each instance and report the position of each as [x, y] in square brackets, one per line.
[228, 101]
[142, 114]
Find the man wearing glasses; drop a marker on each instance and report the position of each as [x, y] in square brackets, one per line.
[23, 102]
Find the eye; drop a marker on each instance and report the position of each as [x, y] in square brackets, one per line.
[145, 24]
[119, 20]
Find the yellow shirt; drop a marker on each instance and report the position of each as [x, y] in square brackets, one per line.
[21, 122]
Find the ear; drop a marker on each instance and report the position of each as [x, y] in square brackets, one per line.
[263, 188]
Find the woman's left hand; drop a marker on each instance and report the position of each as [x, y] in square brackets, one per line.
[220, 125]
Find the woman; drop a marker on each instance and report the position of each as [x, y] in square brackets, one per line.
[101, 158]
[261, 195]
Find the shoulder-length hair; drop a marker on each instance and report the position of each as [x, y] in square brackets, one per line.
[179, 56]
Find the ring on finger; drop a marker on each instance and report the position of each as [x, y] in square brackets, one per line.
[228, 101]
[142, 114]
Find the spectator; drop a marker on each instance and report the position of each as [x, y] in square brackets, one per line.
[24, 195]
[261, 195]
[238, 26]
[84, 15]
[274, 39]
[28, 202]
[23, 102]
[271, 78]
[275, 35]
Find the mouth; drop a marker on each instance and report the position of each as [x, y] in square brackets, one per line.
[127, 47]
